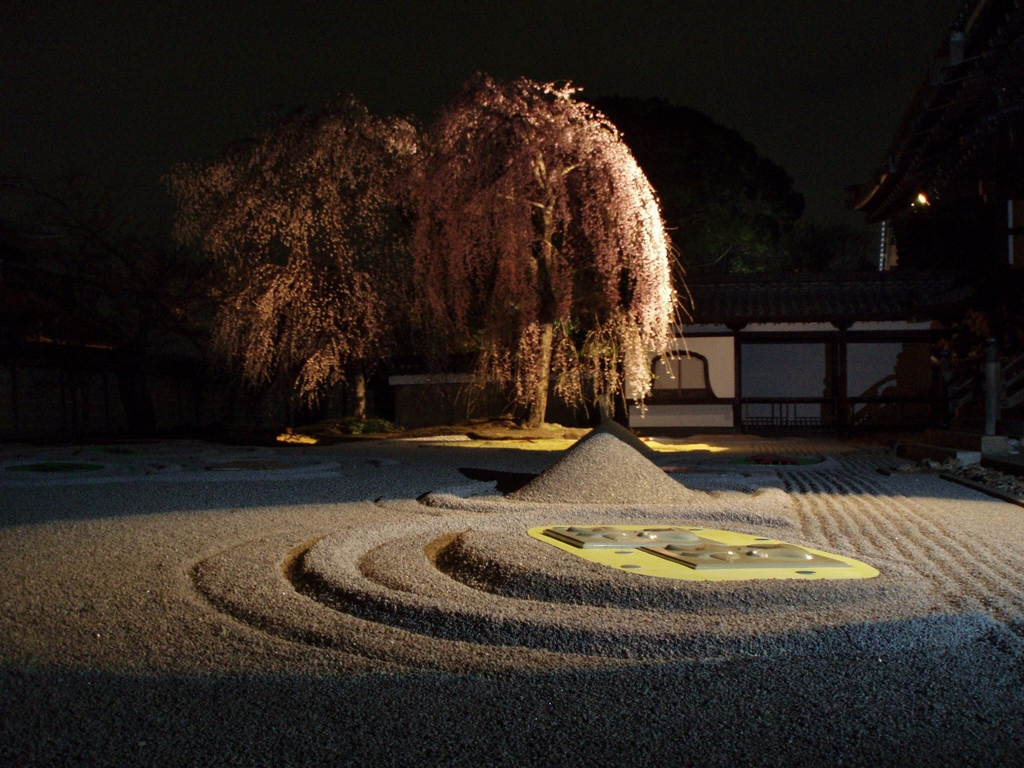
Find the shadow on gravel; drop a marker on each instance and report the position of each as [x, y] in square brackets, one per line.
[401, 472]
[506, 482]
[418, 470]
[962, 706]
[45, 504]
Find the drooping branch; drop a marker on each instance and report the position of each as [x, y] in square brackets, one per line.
[301, 219]
[537, 231]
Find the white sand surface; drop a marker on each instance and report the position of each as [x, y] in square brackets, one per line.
[313, 612]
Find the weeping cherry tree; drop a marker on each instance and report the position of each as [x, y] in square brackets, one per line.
[539, 245]
[301, 221]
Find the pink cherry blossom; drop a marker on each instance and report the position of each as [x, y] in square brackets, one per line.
[299, 219]
[539, 243]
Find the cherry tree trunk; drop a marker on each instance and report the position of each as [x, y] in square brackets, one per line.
[539, 404]
[539, 401]
[359, 395]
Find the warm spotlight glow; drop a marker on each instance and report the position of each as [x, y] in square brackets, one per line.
[524, 444]
[681, 448]
[922, 198]
[295, 439]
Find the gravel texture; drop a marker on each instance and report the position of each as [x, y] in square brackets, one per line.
[602, 469]
[319, 614]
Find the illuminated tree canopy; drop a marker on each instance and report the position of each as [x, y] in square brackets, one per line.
[301, 220]
[539, 243]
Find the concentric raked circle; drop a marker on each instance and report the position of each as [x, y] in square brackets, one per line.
[446, 582]
[431, 590]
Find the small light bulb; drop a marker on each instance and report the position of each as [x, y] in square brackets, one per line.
[922, 198]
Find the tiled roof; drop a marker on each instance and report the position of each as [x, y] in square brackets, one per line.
[825, 297]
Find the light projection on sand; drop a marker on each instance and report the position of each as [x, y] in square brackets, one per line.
[698, 554]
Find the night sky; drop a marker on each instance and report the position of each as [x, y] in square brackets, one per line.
[133, 87]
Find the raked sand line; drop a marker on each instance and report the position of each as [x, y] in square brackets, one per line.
[966, 570]
[479, 580]
[986, 571]
[1007, 560]
[381, 592]
[216, 591]
[211, 592]
[188, 639]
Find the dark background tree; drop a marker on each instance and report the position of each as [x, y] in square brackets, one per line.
[834, 247]
[97, 278]
[727, 209]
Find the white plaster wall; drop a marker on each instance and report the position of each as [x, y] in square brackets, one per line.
[721, 360]
[869, 364]
[784, 370]
[696, 415]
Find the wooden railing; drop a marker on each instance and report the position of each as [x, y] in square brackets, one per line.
[1012, 374]
[901, 411]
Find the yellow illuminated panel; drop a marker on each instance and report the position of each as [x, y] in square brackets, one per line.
[559, 444]
[524, 444]
[698, 554]
[684, 447]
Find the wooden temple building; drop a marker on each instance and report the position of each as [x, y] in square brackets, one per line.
[805, 351]
[887, 349]
[949, 192]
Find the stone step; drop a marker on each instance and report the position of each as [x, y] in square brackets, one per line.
[966, 441]
[939, 453]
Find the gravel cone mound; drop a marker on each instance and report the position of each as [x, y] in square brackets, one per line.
[612, 427]
[602, 469]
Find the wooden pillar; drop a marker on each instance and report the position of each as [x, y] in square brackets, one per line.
[63, 402]
[837, 379]
[75, 394]
[14, 398]
[842, 399]
[106, 403]
[737, 403]
[991, 386]
[177, 396]
[83, 392]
